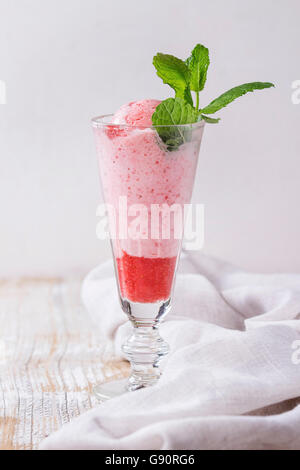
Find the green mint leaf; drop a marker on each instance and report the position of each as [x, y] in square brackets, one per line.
[187, 96]
[174, 72]
[198, 64]
[232, 94]
[210, 120]
[172, 112]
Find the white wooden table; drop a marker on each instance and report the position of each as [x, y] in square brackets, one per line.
[51, 356]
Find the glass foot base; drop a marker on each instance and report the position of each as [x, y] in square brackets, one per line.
[110, 390]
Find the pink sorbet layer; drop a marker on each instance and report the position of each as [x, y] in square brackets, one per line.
[133, 163]
[136, 113]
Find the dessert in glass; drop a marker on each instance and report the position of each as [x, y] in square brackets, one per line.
[148, 152]
[147, 183]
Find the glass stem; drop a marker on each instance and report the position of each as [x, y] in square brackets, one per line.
[144, 349]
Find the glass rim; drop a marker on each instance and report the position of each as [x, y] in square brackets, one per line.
[99, 122]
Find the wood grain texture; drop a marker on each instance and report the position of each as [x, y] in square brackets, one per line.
[51, 356]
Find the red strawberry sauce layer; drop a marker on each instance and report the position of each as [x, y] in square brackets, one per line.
[145, 280]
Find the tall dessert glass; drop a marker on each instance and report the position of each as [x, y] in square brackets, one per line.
[147, 177]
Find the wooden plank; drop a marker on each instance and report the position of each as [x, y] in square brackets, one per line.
[51, 356]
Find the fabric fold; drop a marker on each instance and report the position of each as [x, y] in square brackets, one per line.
[233, 337]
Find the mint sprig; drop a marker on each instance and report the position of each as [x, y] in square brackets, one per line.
[186, 77]
[174, 72]
[232, 95]
[168, 117]
[209, 119]
[198, 64]
[174, 111]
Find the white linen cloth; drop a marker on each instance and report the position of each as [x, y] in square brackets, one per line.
[231, 380]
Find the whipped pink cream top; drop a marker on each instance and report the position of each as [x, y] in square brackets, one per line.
[136, 113]
[134, 163]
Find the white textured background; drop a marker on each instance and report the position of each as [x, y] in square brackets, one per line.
[65, 61]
